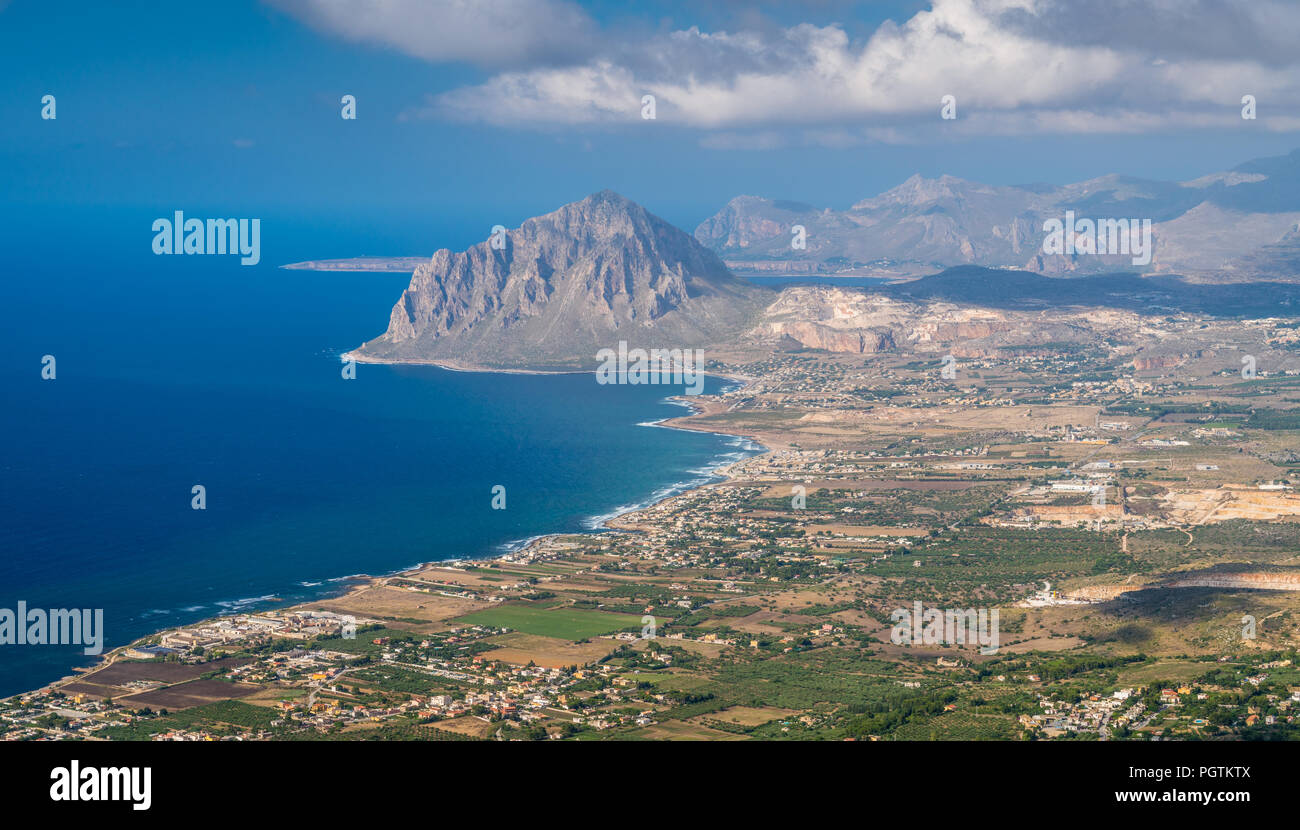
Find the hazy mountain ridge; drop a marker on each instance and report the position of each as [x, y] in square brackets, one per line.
[565, 285]
[1225, 227]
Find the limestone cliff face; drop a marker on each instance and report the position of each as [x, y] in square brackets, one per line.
[946, 332]
[1262, 581]
[818, 336]
[565, 285]
[838, 319]
[1153, 362]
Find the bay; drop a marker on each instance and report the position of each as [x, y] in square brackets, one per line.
[178, 371]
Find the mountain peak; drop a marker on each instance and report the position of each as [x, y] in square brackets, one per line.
[610, 197]
[918, 190]
[563, 285]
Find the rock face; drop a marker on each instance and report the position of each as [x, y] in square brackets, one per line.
[1261, 581]
[846, 320]
[565, 285]
[818, 336]
[1155, 362]
[1100, 593]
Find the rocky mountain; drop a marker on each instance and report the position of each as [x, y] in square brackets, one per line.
[1235, 226]
[835, 319]
[1154, 324]
[562, 286]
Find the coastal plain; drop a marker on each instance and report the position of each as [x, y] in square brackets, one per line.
[1094, 475]
[736, 610]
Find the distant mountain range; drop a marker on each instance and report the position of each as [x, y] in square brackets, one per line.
[553, 292]
[557, 289]
[1235, 226]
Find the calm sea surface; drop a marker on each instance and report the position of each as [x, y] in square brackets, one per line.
[174, 371]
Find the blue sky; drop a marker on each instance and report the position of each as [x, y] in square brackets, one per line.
[517, 106]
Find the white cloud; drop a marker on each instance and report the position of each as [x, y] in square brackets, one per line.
[1014, 66]
[490, 33]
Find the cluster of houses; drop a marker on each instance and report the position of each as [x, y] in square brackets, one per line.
[270, 625]
[1094, 713]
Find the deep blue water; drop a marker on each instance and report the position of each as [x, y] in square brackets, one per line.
[181, 370]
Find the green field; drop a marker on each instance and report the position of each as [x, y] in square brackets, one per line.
[563, 623]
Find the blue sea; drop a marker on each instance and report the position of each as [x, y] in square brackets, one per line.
[176, 371]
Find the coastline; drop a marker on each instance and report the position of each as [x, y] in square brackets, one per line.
[460, 366]
[618, 521]
[361, 264]
[456, 366]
